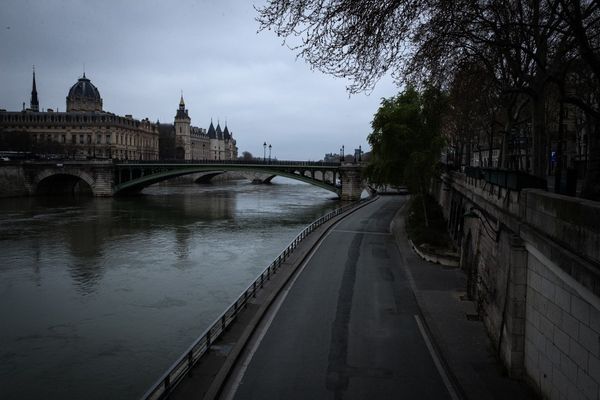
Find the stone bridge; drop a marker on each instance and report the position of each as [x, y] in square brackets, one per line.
[108, 178]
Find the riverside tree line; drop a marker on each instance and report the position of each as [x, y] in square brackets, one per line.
[504, 84]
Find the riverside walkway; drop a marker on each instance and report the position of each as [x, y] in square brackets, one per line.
[363, 318]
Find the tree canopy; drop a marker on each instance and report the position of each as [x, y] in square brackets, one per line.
[523, 77]
[406, 139]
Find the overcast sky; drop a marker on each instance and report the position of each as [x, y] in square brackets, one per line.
[142, 54]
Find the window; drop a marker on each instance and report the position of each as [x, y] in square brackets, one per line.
[98, 138]
[73, 138]
[80, 139]
[108, 139]
[89, 139]
[63, 139]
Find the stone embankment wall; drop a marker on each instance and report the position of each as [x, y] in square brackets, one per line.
[23, 178]
[13, 181]
[533, 262]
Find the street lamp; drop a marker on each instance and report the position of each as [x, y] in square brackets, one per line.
[264, 151]
[269, 154]
[359, 153]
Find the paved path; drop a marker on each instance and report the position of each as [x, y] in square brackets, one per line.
[349, 327]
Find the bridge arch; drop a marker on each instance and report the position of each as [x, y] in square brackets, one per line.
[63, 182]
[137, 184]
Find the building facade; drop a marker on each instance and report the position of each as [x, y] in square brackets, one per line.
[182, 141]
[84, 130]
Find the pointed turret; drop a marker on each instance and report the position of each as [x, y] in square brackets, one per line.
[182, 113]
[219, 131]
[226, 134]
[212, 134]
[34, 104]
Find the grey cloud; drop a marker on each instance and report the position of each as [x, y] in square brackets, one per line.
[141, 54]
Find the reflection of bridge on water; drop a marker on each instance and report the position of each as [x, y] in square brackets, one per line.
[108, 178]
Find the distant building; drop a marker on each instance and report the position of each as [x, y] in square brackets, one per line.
[332, 157]
[84, 130]
[183, 141]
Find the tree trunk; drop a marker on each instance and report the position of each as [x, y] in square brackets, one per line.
[540, 140]
[559, 150]
[424, 210]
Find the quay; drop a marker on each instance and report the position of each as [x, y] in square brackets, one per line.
[353, 314]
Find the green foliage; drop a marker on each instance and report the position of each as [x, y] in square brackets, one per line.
[406, 139]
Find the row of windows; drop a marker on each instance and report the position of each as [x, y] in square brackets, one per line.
[66, 118]
[119, 154]
[98, 139]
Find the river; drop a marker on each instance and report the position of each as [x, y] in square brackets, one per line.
[99, 296]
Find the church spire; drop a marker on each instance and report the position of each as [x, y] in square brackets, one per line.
[34, 104]
[181, 102]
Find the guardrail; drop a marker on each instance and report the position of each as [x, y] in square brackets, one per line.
[509, 179]
[236, 162]
[194, 353]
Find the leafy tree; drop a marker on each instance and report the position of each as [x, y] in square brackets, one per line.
[15, 141]
[247, 156]
[406, 140]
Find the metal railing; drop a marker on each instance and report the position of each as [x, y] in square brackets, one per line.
[232, 162]
[167, 382]
[509, 179]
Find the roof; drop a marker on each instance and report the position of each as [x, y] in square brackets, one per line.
[84, 89]
[219, 131]
[211, 131]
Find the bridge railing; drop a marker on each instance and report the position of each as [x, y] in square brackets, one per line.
[201, 345]
[230, 162]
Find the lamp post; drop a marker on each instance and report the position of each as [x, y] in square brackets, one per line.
[269, 153]
[264, 151]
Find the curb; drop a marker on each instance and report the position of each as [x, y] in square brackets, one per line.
[423, 312]
[434, 258]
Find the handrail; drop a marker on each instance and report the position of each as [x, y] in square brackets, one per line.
[232, 162]
[167, 382]
[508, 179]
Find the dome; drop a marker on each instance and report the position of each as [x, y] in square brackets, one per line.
[84, 96]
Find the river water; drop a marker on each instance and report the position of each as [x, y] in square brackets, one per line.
[99, 296]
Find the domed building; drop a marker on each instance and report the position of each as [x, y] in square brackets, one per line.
[84, 96]
[84, 130]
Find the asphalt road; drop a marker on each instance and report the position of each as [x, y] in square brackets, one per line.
[348, 328]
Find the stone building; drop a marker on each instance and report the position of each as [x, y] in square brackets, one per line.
[183, 141]
[84, 130]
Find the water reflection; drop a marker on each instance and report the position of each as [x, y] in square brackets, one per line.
[99, 296]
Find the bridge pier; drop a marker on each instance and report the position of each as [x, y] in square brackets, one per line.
[103, 176]
[351, 180]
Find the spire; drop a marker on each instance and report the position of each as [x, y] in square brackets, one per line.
[34, 104]
[182, 112]
[218, 131]
[211, 130]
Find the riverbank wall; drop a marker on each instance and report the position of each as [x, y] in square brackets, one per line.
[13, 181]
[532, 259]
